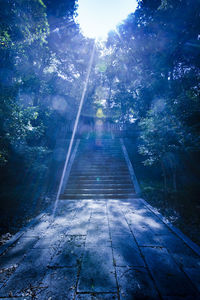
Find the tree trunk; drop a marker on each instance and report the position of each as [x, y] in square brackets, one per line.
[173, 171]
[174, 180]
[164, 177]
[35, 100]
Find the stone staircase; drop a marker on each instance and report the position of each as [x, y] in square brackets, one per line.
[99, 172]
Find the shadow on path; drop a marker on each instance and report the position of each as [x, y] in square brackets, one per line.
[100, 250]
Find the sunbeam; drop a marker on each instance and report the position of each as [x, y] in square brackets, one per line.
[74, 129]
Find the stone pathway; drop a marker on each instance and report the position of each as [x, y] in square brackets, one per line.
[104, 243]
[100, 250]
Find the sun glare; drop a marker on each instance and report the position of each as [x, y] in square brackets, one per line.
[98, 17]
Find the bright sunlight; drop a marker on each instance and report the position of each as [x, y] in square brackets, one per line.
[97, 18]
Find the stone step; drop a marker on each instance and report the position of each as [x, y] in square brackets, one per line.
[98, 173]
[100, 185]
[105, 140]
[93, 157]
[97, 191]
[93, 160]
[97, 196]
[103, 144]
[102, 154]
[85, 152]
[97, 180]
[102, 177]
[97, 165]
[103, 150]
[99, 149]
[100, 165]
[96, 169]
[102, 162]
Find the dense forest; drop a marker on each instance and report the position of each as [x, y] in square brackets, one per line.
[148, 72]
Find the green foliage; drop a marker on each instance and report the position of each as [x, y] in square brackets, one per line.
[38, 72]
[154, 75]
[163, 133]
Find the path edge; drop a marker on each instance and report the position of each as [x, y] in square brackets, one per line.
[131, 170]
[20, 233]
[66, 176]
[177, 231]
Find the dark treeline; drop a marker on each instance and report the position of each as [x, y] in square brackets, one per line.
[153, 75]
[147, 71]
[44, 60]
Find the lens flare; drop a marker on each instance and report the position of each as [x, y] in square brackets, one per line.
[74, 130]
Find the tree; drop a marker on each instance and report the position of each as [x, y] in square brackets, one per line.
[154, 70]
[17, 38]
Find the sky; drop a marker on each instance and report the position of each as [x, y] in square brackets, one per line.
[98, 17]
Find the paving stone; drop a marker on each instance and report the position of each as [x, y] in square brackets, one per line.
[78, 228]
[160, 228]
[184, 257]
[63, 220]
[18, 298]
[97, 296]
[49, 241]
[137, 213]
[168, 277]
[79, 224]
[98, 225]
[21, 246]
[69, 255]
[194, 275]
[99, 212]
[98, 234]
[144, 217]
[135, 283]
[114, 210]
[28, 274]
[99, 221]
[83, 213]
[6, 270]
[182, 254]
[118, 224]
[98, 238]
[119, 229]
[37, 230]
[60, 225]
[11, 259]
[180, 298]
[97, 271]
[59, 284]
[66, 208]
[133, 205]
[126, 251]
[15, 252]
[97, 206]
[115, 213]
[144, 236]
